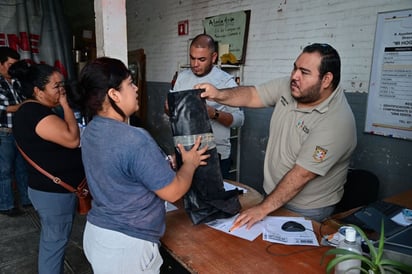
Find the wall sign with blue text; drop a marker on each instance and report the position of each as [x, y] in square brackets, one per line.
[232, 29]
[389, 110]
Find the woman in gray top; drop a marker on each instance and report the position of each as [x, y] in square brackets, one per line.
[128, 176]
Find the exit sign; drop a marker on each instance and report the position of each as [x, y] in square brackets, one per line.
[183, 27]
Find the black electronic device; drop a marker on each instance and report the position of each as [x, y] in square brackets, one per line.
[398, 238]
[292, 226]
[370, 217]
[373, 217]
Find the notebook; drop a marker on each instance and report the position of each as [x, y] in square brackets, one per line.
[370, 217]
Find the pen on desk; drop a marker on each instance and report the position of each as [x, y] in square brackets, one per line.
[234, 226]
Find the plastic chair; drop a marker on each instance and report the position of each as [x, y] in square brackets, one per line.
[361, 189]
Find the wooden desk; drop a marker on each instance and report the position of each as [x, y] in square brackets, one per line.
[404, 199]
[201, 249]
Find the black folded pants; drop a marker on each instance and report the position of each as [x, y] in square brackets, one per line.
[206, 199]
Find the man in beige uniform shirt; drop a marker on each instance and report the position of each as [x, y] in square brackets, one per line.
[312, 135]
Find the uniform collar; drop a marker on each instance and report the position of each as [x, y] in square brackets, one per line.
[322, 107]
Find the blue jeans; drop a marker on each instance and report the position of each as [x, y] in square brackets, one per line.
[12, 166]
[56, 211]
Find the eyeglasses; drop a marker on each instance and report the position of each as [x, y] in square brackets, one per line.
[60, 85]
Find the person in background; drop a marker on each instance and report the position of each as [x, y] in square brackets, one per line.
[52, 143]
[312, 135]
[129, 177]
[12, 165]
[203, 56]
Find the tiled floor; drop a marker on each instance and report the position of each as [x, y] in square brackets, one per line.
[19, 237]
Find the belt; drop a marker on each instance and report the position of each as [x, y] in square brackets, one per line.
[6, 129]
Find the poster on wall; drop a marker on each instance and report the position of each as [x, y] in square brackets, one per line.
[230, 29]
[389, 108]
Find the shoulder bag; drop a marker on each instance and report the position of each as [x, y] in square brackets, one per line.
[82, 190]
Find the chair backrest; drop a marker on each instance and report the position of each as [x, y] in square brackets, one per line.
[361, 189]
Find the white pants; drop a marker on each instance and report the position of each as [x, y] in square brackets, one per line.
[111, 252]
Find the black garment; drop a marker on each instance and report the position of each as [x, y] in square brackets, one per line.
[60, 161]
[207, 199]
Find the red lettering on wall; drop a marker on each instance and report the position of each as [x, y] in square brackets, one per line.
[34, 41]
[25, 42]
[13, 41]
[28, 43]
[2, 39]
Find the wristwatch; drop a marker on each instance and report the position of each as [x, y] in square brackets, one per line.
[216, 116]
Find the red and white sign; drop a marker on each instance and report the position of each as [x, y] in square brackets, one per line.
[183, 27]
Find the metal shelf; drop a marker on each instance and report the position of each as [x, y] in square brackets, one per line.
[237, 72]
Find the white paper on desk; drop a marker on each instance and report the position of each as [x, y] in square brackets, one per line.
[229, 186]
[272, 231]
[399, 219]
[225, 224]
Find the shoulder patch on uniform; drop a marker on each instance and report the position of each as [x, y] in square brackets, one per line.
[284, 101]
[319, 154]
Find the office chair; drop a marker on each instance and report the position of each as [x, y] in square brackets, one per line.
[361, 188]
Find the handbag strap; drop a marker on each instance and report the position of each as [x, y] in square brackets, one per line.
[55, 179]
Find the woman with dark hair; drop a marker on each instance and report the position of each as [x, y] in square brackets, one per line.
[52, 143]
[129, 177]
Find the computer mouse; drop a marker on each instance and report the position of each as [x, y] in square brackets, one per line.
[291, 226]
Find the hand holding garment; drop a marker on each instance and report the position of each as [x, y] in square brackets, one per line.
[206, 199]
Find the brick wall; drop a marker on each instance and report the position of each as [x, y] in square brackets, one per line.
[277, 33]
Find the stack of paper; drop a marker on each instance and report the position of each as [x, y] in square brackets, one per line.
[271, 227]
[274, 233]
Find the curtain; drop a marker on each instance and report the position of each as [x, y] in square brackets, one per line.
[38, 30]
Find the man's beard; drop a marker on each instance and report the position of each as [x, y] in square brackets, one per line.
[310, 94]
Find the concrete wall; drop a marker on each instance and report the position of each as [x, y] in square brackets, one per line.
[277, 33]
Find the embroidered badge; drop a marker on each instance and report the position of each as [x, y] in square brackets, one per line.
[319, 154]
[301, 125]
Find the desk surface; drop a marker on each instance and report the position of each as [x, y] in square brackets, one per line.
[201, 249]
[404, 199]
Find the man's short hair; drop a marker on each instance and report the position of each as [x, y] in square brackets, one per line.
[6, 53]
[204, 41]
[330, 61]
